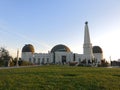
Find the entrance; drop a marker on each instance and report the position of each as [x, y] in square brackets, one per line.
[63, 59]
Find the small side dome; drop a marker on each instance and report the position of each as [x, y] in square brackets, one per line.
[28, 48]
[97, 49]
[60, 48]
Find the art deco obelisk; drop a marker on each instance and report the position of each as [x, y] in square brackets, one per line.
[87, 46]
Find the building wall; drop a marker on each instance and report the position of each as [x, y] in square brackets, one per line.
[78, 57]
[59, 55]
[44, 58]
[26, 56]
[98, 57]
[41, 58]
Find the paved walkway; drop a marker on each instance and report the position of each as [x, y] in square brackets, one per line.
[19, 67]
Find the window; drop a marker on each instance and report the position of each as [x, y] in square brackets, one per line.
[79, 60]
[34, 60]
[63, 60]
[43, 60]
[38, 60]
[29, 59]
[47, 60]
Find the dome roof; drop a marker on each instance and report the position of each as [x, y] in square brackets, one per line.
[97, 49]
[28, 48]
[60, 48]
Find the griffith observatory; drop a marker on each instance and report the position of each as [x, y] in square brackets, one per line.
[61, 54]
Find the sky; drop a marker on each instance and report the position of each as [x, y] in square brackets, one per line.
[46, 23]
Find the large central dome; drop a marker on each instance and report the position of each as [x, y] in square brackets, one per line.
[60, 48]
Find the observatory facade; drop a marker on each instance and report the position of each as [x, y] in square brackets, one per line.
[61, 54]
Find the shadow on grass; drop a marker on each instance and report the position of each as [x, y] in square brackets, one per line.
[70, 75]
[116, 75]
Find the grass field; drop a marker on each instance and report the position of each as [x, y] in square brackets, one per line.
[60, 78]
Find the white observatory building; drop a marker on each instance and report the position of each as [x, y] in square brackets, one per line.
[61, 54]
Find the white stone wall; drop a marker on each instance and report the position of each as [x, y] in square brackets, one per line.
[68, 55]
[26, 55]
[78, 57]
[44, 58]
[98, 57]
[36, 58]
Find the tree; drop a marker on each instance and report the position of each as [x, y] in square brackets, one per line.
[5, 58]
[104, 63]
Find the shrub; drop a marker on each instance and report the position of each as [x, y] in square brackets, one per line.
[24, 63]
[73, 63]
[104, 63]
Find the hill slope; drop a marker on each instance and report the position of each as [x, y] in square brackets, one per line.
[60, 78]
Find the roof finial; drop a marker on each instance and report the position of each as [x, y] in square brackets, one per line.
[86, 22]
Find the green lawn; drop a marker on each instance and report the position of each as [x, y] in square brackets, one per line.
[60, 78]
